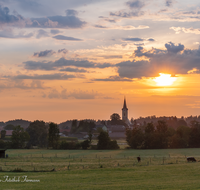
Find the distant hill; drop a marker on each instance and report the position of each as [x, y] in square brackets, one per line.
[21, 122]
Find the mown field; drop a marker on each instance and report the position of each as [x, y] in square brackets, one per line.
[106, 169]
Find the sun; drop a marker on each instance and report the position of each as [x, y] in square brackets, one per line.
[164, 80]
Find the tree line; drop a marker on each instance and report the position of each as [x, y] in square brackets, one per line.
[160, 135]
[42, 135]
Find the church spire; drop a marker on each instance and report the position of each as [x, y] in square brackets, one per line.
[124, 107]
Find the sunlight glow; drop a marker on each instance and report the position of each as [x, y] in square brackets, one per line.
[164, 80]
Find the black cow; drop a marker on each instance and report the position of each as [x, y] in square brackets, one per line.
[192, 159]
[138, 159]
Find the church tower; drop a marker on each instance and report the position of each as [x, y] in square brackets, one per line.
[125, 112]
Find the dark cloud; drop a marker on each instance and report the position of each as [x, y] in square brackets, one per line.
[71, 12]
[62, 62]
[135, 4]
[6, 18]
[171, 48]
[174, 60]
[68, 21]
[75, 70]
[138, 39]
[56, 76]
[114, 79]
[99, 26]
[169, 3]
[133, 39]
[42, 33]
[64, 51]
[53, 31]
[151, 40]
[61, 37]
[44, 53]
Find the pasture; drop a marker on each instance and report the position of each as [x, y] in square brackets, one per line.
[104, 169]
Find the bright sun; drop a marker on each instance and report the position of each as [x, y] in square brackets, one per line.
[164, 79]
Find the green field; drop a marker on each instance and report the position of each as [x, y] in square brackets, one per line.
[106, 169]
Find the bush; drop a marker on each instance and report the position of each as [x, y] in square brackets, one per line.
[85, 144]
[113, 145]
[104, 142]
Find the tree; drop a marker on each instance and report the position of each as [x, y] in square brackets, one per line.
[104, 142]
[9, 127]
[135, 137]
[115, 117]
[38, 132]
[3, 134]
[161, 136]
[74, 126]
[116, 120]
[19, 137]
[53, 135]
[149, 136]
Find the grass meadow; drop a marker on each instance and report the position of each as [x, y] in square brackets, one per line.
[104, 169]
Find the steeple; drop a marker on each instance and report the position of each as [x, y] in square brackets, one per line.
[125, 111]
[124, 107]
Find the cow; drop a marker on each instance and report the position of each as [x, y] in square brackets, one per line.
[192, 159]
[138, 159]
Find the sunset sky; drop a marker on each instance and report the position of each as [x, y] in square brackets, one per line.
[78, 59]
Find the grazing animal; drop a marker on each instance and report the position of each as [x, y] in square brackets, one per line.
[138, 159]
[192, 159]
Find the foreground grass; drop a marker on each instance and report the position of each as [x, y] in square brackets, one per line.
[79, 169]
[182, 176]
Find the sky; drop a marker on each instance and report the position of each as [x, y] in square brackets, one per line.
[70, 59]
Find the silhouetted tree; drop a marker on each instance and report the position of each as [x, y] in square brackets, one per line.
[19, 137]
[3, 134]
[53, 135]
[38, 132]
[104, 142]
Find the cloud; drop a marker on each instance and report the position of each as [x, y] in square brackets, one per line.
[76, 70]
[44, 53]
[114, 79]
[55, 76]
[186, 30]
[99, 26]
[174, 60]
[8, 33]
[42, 33]
[10, 84]
[138, 39]
[133, 39]
[171, 48]
[53, 31]
[71, 12]
[131, 14]
[62, 62]
[6, 18]
[61, 37]
[64, 51]
[118, 27]
[77, 94]
[135, 4]
[68, 21]
[168, 3]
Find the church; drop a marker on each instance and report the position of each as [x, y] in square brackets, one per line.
[125, 114]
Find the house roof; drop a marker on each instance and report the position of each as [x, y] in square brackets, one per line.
[117, 135]
[9, 132]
